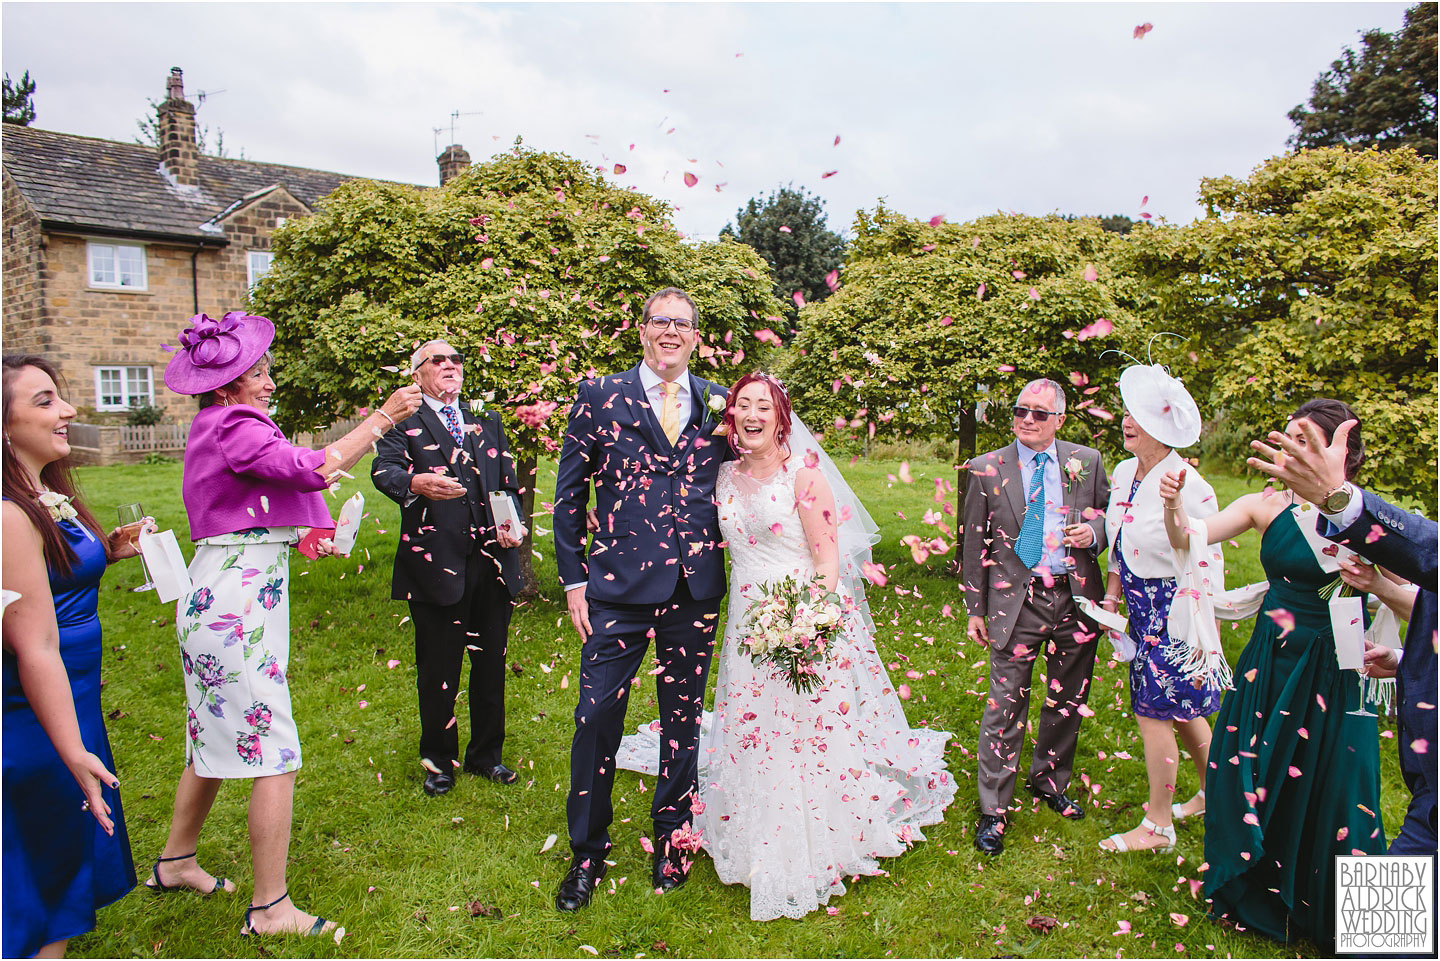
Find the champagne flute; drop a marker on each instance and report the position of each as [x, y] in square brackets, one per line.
[1074, 517]
[132, 521]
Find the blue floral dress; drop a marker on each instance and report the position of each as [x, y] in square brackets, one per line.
[234, 631]
[1157, 689]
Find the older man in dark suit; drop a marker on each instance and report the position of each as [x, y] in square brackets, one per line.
[1034, 528]
[454, 566]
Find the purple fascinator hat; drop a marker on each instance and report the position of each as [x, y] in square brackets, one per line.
[213, 353]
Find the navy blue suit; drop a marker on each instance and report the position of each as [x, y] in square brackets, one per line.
[655, 569]
[1407, 546]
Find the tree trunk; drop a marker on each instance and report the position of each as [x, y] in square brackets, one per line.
[526, 468]
[964, 450]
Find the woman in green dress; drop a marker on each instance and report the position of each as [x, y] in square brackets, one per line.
[1293, 778]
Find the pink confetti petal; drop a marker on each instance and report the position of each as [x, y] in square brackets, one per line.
[619, 169]
[1091, 274]
[1420, 746]
[828, 174]
[1143, 29]
[1283, 619]
[690, 179]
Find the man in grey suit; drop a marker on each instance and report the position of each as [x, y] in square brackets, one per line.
[1034, 529]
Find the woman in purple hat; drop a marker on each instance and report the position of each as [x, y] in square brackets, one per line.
[248, 491]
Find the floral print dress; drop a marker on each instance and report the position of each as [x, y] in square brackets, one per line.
[234, 631]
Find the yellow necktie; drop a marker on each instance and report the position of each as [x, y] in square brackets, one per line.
[670, 411]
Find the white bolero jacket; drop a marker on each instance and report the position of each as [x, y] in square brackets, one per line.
[1144, 544]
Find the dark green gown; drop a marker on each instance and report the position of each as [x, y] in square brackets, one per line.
[1293, 779]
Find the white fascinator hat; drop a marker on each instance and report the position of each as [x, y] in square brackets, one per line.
[1160, 404]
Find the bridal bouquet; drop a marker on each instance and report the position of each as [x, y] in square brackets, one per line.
[790, 626]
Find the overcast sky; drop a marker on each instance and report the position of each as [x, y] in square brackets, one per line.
[953, 109]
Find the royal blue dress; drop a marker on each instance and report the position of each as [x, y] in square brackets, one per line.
[1157, 688]
[60, 866]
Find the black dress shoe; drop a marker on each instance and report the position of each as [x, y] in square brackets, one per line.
[437, 783]
[1058, 803]
[668, 870]
[579, 885]
[495, 772]
[990, 834]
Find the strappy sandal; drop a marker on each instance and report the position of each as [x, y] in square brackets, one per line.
[1167, 832]
[248, 929]
[1177, 810]
[160, 887]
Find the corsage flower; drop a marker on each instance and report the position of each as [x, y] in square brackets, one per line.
[58, 505]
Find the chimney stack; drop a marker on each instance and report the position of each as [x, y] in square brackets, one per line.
[453, 162]
[178, 153]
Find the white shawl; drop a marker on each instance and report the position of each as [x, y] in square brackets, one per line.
[1145, 544]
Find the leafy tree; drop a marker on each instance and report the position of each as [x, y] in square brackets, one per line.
[532, 264]
[1382, 97]
[19, 107]
[1314, 277]
[788, 229]
[1115, 223]
[937, 328]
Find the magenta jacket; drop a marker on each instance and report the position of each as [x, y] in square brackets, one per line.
[234, 457]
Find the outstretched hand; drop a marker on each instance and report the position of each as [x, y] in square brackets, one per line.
[1309, 467]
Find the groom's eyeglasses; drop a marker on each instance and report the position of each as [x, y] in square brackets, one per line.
[682, 324]
[437, 359]
[1041, 416]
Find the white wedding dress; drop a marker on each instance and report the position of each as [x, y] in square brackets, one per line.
[799, 791]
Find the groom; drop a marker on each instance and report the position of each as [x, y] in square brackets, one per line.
[656, 569]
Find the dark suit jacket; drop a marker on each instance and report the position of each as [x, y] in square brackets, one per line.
[656, 505]
[995, 579]
[438, 538]
[1407, 546]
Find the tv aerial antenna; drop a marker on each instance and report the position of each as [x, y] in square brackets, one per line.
[454, 116]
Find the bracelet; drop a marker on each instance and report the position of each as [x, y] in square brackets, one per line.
[1110, 597]
[381, 412]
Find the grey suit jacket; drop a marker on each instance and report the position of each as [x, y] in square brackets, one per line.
[994, 577]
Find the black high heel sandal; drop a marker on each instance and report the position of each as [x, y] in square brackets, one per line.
[248, 929]
[160, 887]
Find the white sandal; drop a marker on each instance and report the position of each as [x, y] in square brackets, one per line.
[1167, 832]
[1177, 810]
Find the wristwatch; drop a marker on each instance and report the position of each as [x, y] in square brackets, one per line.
[1337, 500]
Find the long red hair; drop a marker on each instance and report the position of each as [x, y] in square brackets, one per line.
[778, 397]
[57, 475]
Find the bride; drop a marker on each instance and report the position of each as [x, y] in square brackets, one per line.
[799, 791]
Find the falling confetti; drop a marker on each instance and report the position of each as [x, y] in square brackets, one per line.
[1143, 29]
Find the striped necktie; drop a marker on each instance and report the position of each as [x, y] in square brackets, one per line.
[1029, 547]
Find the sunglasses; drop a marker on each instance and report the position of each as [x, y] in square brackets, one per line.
[1041, 416]
[438, 359]
[682, 324]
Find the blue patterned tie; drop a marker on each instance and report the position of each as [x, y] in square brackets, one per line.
[1029, 547]
[452, 421]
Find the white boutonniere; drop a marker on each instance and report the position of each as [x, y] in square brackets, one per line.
[715, 406]
[476, 405]
[1075, 472]
[58, 505]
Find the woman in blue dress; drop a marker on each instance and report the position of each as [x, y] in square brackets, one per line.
[1167, 698]
[66, 852]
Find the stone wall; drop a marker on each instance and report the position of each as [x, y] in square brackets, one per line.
[22, 303]
[80, 327]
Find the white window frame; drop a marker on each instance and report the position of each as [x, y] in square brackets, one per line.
[127, 399]
[251, 277]
[93, 252]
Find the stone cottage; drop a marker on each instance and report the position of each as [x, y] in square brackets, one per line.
[109, 247]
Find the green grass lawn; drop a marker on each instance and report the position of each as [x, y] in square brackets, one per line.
[464, 875]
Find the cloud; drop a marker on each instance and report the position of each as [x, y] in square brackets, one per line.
[955, 108]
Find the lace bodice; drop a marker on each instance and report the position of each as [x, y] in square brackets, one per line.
[762, 527]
